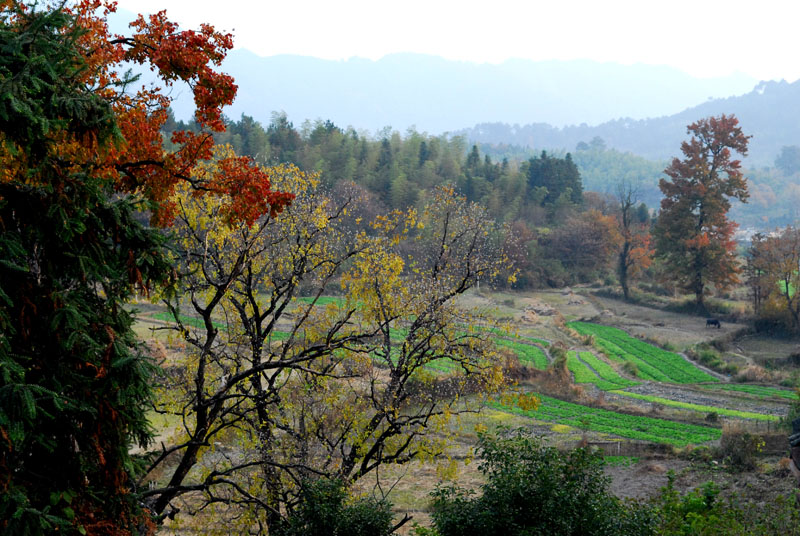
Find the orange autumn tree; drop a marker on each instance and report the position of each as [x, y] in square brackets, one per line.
[694, 236]
[82, 154]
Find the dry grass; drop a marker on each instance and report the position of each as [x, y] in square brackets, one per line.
[755, 373]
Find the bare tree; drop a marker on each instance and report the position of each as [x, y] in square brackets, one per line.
[280, 386]
[635, 252]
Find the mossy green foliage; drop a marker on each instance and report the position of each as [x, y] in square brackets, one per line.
[699, 407]
[653, 363]
[702, 512]
[620, 424]
[326, 508]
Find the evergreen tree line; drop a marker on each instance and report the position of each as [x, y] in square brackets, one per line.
[541, 198]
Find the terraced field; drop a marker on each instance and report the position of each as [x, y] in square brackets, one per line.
[187, 320]
[587, 368]
[699, 407]
[652, 362]
[760, 391]
[528, 354]
[618, 424]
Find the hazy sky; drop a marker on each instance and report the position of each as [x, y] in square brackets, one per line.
[701, 37]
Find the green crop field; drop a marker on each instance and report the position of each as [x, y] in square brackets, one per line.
[620, 461]
[528, 354]
[322, 300]
[619, 424]
[760, 391]
[583, 374]
[699, 407]
[541, 342]
[606, 371]
[653, 363]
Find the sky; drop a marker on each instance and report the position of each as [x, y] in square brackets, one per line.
[704, 38]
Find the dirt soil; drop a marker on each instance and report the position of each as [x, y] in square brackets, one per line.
[723, 399]
[646, 478]
[681, 330]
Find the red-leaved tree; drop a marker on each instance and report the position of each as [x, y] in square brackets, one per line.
[694, 236]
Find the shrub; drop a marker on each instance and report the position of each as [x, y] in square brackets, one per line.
[559, 353]
[702, 512]
[327, 510]
[631, 369]
[794, 410]
[739, 447]
[533, 489]
[754, 373]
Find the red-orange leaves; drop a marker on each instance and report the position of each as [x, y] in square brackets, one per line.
[185, 55]
[248, 187]
[137, 161]
[694, 235]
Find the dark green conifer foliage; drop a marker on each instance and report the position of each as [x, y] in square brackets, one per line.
[559, 176]
[73, 381]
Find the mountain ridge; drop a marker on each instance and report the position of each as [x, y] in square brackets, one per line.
[769, 113]
[438, 95]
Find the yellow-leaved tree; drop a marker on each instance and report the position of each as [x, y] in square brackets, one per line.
[282, 384]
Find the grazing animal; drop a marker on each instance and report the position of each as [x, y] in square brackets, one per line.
[713, 322]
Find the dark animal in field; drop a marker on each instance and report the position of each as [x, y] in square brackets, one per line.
[713, 322]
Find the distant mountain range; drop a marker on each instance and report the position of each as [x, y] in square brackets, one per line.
[436, 95]
[547, 104]
[770, 113]
[560, 102]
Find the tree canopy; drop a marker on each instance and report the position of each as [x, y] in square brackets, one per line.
[82, 154]
[694, 236]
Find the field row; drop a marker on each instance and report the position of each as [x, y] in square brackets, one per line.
[653, 363]
[528, 354]
[699, 407]
[586, 368]
[761, 391]
[619, 424]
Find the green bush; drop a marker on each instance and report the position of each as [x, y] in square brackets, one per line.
[533, 489]
[326, 509]
[794, 410]
[702, 512]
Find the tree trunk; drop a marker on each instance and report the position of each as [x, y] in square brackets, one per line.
[623, 269]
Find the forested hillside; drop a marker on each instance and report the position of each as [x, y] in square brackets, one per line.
[541, 198]
[397, 168]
